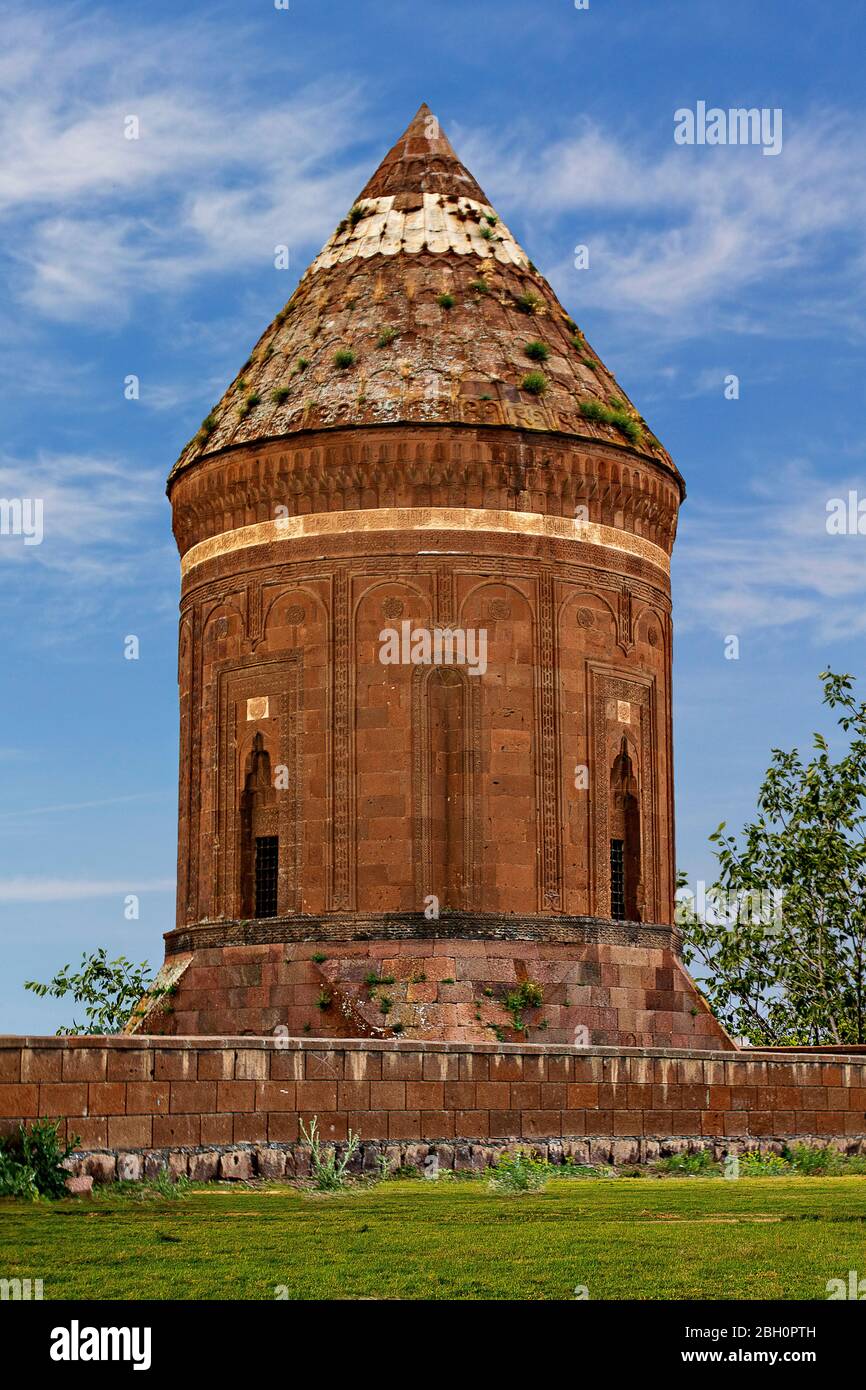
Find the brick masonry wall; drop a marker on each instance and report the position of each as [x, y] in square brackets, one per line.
[615, 994]
[231, 1106]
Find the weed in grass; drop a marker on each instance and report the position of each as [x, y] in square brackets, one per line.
[328, 1166]
[518, 1172]
[694, 1165]
[758, 1165]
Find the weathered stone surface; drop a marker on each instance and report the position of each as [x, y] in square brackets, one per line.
[130, 1167]
[271, 1163]
[204, 1167]
[237, 1165]
[415, 1154]
[625, 1151]
[101, 1168]
[155, 1162]
[80, 1186]
[178, 1165]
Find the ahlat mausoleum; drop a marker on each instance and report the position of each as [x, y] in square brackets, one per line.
[426, 780]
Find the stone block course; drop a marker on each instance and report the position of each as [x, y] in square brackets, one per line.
[183, 1096]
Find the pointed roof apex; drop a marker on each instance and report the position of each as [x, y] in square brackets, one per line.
[422, 161]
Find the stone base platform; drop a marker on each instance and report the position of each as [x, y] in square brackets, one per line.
[457, 979]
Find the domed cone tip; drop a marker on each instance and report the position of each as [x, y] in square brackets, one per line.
[422, 161]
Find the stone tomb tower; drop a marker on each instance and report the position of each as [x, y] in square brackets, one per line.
[425, 656]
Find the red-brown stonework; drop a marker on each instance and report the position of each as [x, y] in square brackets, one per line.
[232, 1106]
[464, 831]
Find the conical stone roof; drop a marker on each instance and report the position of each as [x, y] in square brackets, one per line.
[422, 308]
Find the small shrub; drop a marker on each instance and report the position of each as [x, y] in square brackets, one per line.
[16, 1179]
[280, 395]
[491, 218]
[594, 410]
[344, 358]
[386, 337]
[526, 996]
[328, 1170]
[386, 1004]
[479, 286]
[318, 957]
[758, 1165]
[356, 214]
[487, 233]
[518, 1172]
[446, 301]
[536, 351]
[325, 1000]
[633, 432]
[206, 428]
[303, 363]
[31, 1161]
[535, 383]
[528, 303]
[687, 1165]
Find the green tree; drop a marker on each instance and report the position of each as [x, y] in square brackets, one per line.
[112, 992]
[794, 976]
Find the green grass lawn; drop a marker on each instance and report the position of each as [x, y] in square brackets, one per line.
[777, 1238]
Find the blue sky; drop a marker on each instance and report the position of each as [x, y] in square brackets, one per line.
[155, 258]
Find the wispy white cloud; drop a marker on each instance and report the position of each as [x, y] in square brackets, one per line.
[213, 182]
[768, 562]
[19, 813]
[685, 231]
[58, 890]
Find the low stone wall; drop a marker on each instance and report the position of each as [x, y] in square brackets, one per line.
[232, 1106]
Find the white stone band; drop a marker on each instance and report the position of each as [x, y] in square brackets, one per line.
[435, 226]
[425, 519]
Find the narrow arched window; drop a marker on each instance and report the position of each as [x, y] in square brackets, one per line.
[625, 861]
[260, 845]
